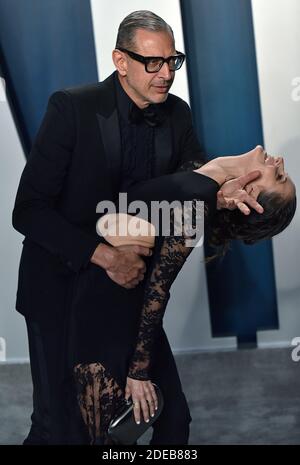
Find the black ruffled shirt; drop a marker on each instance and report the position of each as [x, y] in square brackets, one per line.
[137, 141]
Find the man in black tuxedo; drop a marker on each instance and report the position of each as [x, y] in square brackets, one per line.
[95, 141]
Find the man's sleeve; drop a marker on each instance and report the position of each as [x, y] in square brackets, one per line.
[41, 183]
[190, 147]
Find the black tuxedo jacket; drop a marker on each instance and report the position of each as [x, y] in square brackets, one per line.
[75, 162]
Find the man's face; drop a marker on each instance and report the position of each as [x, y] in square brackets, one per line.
[145, 88]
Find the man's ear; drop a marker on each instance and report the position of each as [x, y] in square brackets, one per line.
[120, 61]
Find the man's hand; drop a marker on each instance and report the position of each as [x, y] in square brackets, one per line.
[136, 272]
[233, 194]
[144, 397]
[123, 264]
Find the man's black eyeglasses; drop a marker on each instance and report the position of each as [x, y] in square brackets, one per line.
[154, 64]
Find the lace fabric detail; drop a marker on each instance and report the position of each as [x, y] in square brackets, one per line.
[170, 255]
[99, 397]
[173, 254]
[190, 165]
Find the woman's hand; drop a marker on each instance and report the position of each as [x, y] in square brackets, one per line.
[233, 194]
[143, 396]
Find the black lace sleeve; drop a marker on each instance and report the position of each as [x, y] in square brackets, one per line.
[170, 254]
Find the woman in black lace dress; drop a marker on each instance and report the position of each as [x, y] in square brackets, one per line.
[115, 351]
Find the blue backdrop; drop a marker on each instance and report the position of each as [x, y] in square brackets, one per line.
[46, 45]
[221, 59]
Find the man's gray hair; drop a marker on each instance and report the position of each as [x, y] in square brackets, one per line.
[141, 19]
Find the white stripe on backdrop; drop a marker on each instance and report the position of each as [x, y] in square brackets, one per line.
[187, 320]
[277, 37]
[12, 325]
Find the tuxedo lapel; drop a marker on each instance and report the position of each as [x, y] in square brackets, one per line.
[110, 133]
[108, 121]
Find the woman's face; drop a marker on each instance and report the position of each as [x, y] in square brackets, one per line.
[273, 176]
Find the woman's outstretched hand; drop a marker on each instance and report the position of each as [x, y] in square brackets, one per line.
[143, 396]
[233, 194]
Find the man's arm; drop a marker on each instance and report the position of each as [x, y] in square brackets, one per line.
[42, 180]
[36, 217]
[190, 148]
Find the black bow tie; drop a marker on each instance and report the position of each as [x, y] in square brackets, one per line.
[152, 115]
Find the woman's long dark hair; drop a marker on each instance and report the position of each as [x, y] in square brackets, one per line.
[227, 225]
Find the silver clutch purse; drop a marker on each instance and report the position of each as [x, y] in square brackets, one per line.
[123, 428]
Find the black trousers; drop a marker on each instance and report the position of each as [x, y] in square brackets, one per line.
[56, 418]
